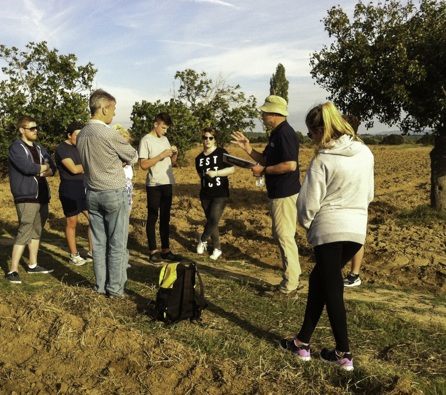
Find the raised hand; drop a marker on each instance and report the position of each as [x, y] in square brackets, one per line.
[241, 140]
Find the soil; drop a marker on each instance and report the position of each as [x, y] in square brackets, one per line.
[54, 340]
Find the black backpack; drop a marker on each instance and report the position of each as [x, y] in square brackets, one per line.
[177, 298]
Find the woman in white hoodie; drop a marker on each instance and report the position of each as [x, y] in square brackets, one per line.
[332, 207]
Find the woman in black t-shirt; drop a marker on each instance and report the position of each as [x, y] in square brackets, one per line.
[72, 192]
[214, 193]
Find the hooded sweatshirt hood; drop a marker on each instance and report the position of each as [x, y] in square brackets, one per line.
[344, 146]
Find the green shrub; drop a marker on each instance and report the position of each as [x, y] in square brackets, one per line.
[368, 140]
[427, 139]
[393, 139]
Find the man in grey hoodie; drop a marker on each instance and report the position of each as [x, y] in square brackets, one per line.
[29, 165]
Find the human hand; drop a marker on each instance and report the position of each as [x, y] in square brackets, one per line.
[240, 139]
[257, 170]
[174, 149]
[166, 153]
[212, 173]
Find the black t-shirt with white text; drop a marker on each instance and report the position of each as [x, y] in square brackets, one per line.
[217, 186]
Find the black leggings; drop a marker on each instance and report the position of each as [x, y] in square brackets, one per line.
[326, 288]
[159, 198]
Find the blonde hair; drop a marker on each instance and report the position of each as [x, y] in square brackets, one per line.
[327, 117]
[123, 132]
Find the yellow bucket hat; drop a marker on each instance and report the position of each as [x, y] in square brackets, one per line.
[275, 104]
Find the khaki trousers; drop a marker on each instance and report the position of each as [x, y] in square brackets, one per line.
[284, 219]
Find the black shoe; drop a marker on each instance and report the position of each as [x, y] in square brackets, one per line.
[302, 352]
[155, 258]
[13, 278]
[352, 280]
[38, 270]
[278, 293]
[169, 256]
[345, 361]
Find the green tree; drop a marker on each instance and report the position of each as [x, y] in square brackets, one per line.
[427, 139]
[389, 62]
[197, 103]
[393, 139]
[45, 85]
[278, 84]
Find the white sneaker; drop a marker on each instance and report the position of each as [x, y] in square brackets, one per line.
[89, 257]
[77, 260]
[215, 254]
[202, 246]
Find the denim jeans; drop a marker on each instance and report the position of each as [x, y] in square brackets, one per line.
[213, 210]
[109, 221]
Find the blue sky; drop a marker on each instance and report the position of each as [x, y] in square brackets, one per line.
[138, 45]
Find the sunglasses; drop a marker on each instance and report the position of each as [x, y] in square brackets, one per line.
[33, 129]
[207, 138]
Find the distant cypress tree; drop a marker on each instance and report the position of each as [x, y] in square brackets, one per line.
[278, 83]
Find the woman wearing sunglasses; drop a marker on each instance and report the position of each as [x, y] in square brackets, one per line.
[214, 192]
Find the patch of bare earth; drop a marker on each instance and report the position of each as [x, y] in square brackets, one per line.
[69, 340]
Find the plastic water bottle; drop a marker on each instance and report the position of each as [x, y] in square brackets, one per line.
[260, 181]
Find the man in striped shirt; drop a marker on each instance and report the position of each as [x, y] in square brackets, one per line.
[103, 152]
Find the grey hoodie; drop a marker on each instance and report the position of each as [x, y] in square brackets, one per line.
[337, 189]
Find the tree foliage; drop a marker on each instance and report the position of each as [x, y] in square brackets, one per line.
[45, 85]
[388, 62]
[197, 103]
[393, 139]
[278, 84]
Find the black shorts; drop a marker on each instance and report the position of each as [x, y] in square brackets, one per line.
[72, 196]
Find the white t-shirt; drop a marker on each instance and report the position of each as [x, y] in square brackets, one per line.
[161, 173]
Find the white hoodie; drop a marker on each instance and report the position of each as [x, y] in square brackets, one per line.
[337, 189]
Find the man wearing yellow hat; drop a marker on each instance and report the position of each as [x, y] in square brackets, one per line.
[279, 163]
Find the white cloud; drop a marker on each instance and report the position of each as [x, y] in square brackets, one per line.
[216, 2]
[254, 61]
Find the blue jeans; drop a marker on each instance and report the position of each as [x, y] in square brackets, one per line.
[213, 210]
[109, 222]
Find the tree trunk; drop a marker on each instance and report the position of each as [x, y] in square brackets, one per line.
[438, 174]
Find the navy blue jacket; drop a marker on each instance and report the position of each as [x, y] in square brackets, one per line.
[23, 171]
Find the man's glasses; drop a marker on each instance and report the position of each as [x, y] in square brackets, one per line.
[33, 129]
[208, 138]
